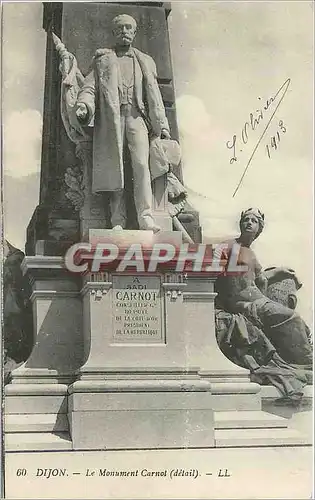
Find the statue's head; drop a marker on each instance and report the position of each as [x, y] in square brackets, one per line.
[252, 222]
[124, 29]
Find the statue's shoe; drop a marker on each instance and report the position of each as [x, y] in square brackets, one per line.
[118, 228]
[151, 227]
[155, 228]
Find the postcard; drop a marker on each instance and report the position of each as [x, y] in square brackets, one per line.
[157, 246]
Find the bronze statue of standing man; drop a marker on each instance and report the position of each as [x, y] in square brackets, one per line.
[122, 95]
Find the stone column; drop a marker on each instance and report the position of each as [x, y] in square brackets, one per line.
[94, 209]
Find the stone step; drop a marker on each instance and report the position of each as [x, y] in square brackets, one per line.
[233, 438]
[36, 422]
[34, 403]
[35, 441]
[248, 420]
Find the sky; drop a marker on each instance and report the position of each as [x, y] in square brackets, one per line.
[229, 60]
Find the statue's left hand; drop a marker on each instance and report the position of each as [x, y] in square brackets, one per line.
[165, 134]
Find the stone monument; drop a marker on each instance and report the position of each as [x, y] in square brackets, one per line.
[121, 360]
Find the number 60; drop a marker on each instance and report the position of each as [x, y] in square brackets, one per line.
[21, 472]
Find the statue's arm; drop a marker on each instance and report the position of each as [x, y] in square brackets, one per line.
[261, 278]
[86, 99]
[165, 128]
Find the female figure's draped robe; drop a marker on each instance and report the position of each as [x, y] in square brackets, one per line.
[247, 323]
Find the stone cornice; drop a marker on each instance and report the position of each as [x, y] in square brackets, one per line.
[88, 386]
[41, 262]
[97, 288]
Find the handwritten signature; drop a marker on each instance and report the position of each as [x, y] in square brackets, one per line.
[255, 120]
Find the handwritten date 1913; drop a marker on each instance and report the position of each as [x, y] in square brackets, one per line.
[274, 141]
[261, 120]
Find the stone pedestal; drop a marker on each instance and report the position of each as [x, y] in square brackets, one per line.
[139, 386]
[151, 358]
[57, 317]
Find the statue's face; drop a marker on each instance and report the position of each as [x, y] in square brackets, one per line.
[249, 224]
[124, 31]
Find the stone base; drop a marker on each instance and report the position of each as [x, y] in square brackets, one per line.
[146, 429]
[135, 418]
[37, 441]
[234, 438]
[239, 396]
[179, 391]
[27, 399]
[36, 417]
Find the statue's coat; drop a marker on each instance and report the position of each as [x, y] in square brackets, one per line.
[101, 94]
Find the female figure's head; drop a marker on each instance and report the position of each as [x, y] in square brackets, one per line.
[252, 222]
